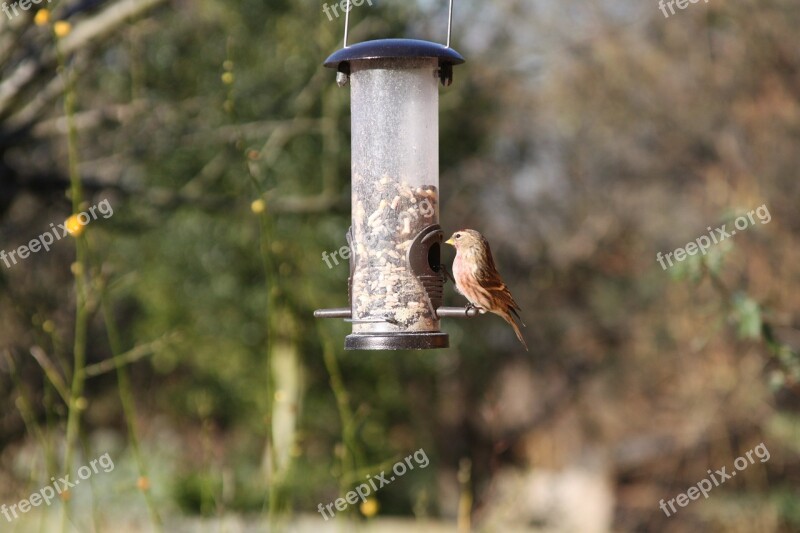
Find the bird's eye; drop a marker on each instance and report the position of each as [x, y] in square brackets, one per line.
[458, 235]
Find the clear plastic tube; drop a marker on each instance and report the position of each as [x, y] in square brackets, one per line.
[395, 189]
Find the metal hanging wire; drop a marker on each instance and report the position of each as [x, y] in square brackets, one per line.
[449, 22]
[347, 22]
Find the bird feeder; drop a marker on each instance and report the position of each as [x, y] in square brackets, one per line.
[396, 279]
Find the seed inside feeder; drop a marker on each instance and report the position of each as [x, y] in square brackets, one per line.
[388, 290]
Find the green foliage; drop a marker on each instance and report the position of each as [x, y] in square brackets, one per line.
[747, 314]
[787, 501]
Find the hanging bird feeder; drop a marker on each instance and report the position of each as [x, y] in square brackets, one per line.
[396, 278]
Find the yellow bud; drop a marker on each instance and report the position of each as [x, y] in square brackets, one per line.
[227, 78]
[62, 28]
[81, 404]
[258, 206]
[42, 17]
[74, 226]
[48, 326]
[369, 508]
[143, 484]
[76, 268]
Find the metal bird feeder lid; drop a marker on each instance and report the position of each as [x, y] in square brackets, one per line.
[396, 279]
[397, 49]
[394, 49]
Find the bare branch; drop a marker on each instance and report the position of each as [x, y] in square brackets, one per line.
[131, 356]
[105, 22]
[51, 372]
[89, 30]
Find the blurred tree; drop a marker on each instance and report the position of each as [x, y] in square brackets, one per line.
[581, 138]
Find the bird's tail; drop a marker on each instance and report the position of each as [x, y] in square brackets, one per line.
[508, 318]
[516, 314]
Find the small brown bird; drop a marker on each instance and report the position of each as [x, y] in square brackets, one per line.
[479, 282]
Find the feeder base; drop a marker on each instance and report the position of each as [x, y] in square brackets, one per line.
[396, 341]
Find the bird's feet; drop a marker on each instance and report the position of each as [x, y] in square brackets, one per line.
[470, 306]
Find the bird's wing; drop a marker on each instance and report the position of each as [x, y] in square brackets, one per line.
[498, 292]
[493, 287]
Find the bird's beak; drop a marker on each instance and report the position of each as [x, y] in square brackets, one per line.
[450, 241]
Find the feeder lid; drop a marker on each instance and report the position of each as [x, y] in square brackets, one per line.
[394, 49]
